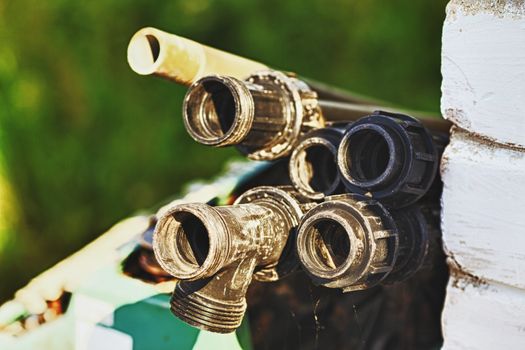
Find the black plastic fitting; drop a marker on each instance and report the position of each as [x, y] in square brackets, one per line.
[390, 157]
[414, 243]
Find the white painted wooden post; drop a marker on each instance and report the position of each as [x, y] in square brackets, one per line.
[483, 168]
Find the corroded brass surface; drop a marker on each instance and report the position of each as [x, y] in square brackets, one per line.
[215, 252]
[264, 115]
[349, 242]
[352, 242]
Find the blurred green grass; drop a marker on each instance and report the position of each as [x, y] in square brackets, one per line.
[84, 141]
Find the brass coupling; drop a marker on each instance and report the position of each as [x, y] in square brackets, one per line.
[263, 115]
[313, 164]
[267, 114]
[352, 242]
[215, 252]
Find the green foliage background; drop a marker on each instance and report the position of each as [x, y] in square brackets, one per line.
[85, 142]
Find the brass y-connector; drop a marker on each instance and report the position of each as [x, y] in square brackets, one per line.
[215, 252]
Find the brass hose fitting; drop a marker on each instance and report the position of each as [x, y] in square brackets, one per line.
[215, 251]
[313, 163]
[264, 115]
[390, 157]
[352, 242]
[349, 242]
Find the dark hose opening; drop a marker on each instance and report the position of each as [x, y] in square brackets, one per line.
[211, 111]
[154, 47]
[367, 155]
[317, 169]
[220, 107]
[191, 239]
[329, 244]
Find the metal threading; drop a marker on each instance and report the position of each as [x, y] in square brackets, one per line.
[328, 243]
[191, 242]
[202, 311]
[265, 115]
[349, 242]
[218, 111]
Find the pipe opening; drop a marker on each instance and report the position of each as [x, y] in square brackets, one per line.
[220, 107]
[143, 53]
[367, 155]
[328, 244]
[154, 47]
[317, 169]
[192, 241]
[211, 111]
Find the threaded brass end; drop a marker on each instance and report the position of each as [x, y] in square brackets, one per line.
[206, 313]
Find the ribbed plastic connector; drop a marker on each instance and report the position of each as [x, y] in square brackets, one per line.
[414, 243]
[389, 157]
[265, 115]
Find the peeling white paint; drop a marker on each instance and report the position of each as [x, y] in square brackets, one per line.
[483, 68]
[483, 218]
[483, 170]
[490, 316]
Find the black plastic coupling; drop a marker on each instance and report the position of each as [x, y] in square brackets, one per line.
[414, 243]
[313, 163]
[390, 157]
